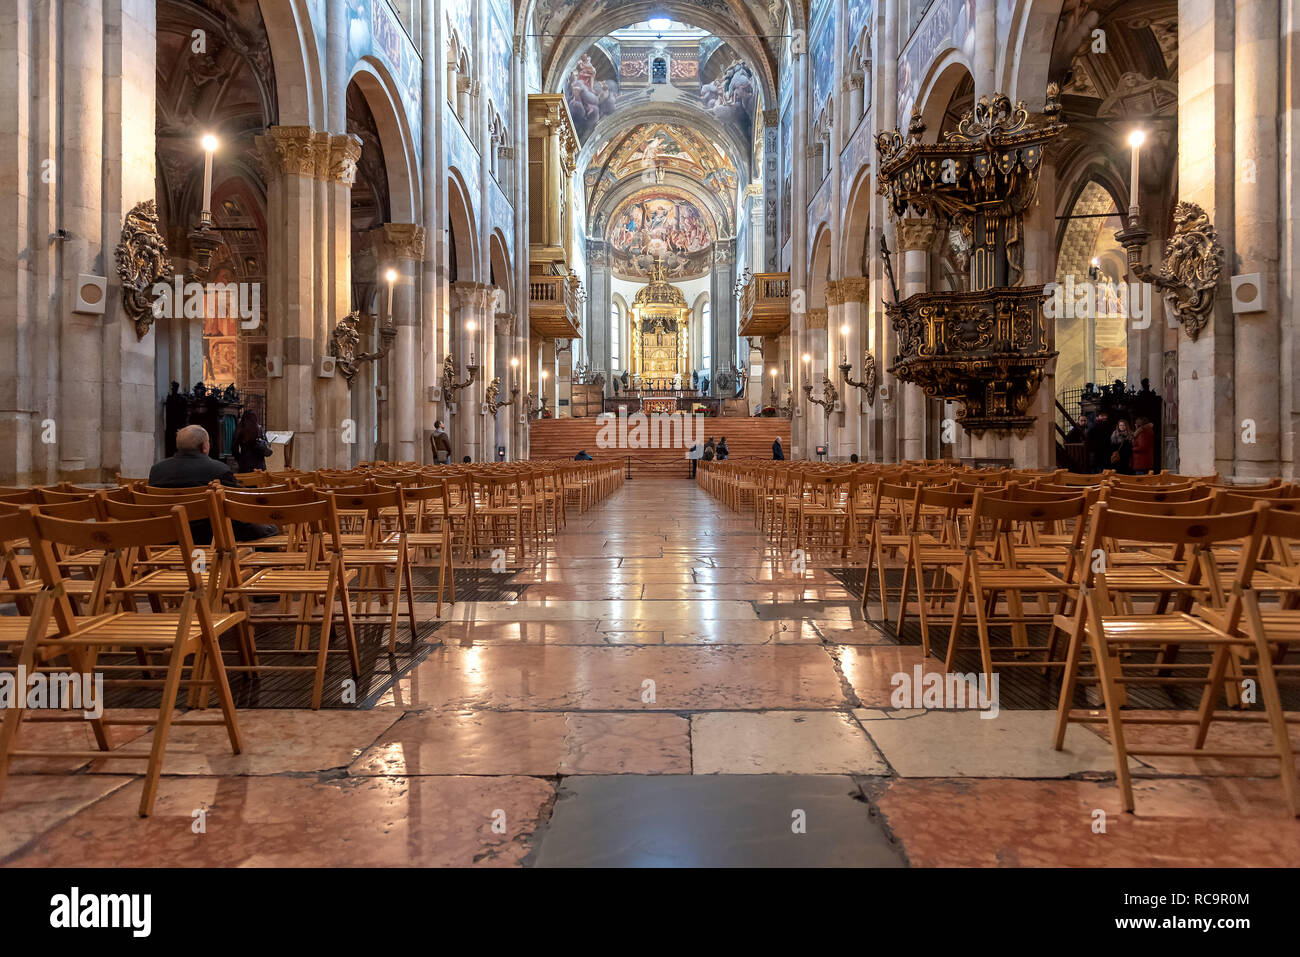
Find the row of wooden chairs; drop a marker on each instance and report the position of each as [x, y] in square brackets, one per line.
[1125, 576]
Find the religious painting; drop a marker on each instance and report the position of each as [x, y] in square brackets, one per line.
[728, 92]
[591, 91]
[661, 226]
[609, 76]
[786, 165]
[823, 59]
[500, 49]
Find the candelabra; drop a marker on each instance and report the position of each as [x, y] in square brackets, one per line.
[492, 400]
[830, 395]
[449, 384]
[868, 383]
[535, 411]
[1190, 271]
[204, 242]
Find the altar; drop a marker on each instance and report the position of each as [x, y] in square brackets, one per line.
[660, 335]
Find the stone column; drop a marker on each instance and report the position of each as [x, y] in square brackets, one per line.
[290, 156]
[1207, 174]
[501, 427]
[884, 65]
[400, 247]
[722, 314]
[817, 425]
[599, 306]
[472, 300]
[916, 238]
[847, 299]
[1256, 201]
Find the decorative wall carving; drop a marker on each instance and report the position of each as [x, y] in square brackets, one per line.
[141, 261]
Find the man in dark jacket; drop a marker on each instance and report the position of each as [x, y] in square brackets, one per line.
[778, 454]
[192, 467]
[1099, 443]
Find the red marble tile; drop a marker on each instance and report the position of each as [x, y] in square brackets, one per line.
[1207, 822]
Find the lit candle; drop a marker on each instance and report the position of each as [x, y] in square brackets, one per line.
[1135, 140]
[844, 335]
[391, 276]
[209, 143]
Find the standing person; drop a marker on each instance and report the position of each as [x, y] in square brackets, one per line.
[1144, 446]
[250, 447]
[1099, 449]
[1121, 456]
[441, 443]
[778, 454]
[723, 451]
[693, 453]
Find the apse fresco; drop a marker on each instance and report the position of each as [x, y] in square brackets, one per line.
[666, 147]
[606, 80]
[663, 226]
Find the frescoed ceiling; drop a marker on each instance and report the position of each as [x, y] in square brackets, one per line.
[651, 151]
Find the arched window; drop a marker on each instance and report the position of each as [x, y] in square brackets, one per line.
[659, 70]
[615, 327]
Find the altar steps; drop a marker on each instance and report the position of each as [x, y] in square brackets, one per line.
[746, 438]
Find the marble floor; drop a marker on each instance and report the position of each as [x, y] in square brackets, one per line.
[665, 693]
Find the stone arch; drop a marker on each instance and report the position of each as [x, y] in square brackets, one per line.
[1024, 63]
[945, 76]
[462, 225]
[397, 139]
[855, 230]
[500, 270]
[819, 266]
[299, 79]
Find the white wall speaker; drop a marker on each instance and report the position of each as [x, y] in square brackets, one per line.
[1249, 293]
[451, 408]
[92, 294]
[884, 392]
[325, 367]
[381, 393]
[435, 393]
[274, 367]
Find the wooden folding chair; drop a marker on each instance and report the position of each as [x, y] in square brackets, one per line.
[382, 552]
[308, 570]
[190, 633]
[1001, 567]
[1115, 640]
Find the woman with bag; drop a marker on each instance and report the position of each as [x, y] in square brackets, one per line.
[250, 447]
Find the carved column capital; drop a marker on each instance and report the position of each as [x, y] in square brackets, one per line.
[849, 289]
[916, 234]
[293, 151]
[504, 323]
[472, 295]
[815, 319]
[399, 241]
[345, 150]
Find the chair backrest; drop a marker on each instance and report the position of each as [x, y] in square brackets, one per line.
[187, 490]
[116, 539]
[51, 496]
[310, 525]
[77, 510]
[1011, 519]
[297, 496]
[371, 505]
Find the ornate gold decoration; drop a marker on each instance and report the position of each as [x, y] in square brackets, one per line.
[986, 348]
[830, 395]
[449, 384]
[345, 346]
[839, 292]
[815, 319]
[1191, 268]
[492, 399]
[141, 261]
[869, 378]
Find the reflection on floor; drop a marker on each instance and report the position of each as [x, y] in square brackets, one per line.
[663, 693]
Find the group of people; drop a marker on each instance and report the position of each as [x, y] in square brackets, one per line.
[1124, 448]
[712, 450]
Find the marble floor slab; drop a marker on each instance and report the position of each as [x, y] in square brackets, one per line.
[782, 742]
[712, 821]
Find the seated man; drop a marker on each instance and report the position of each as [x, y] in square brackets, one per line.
[192, 467]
